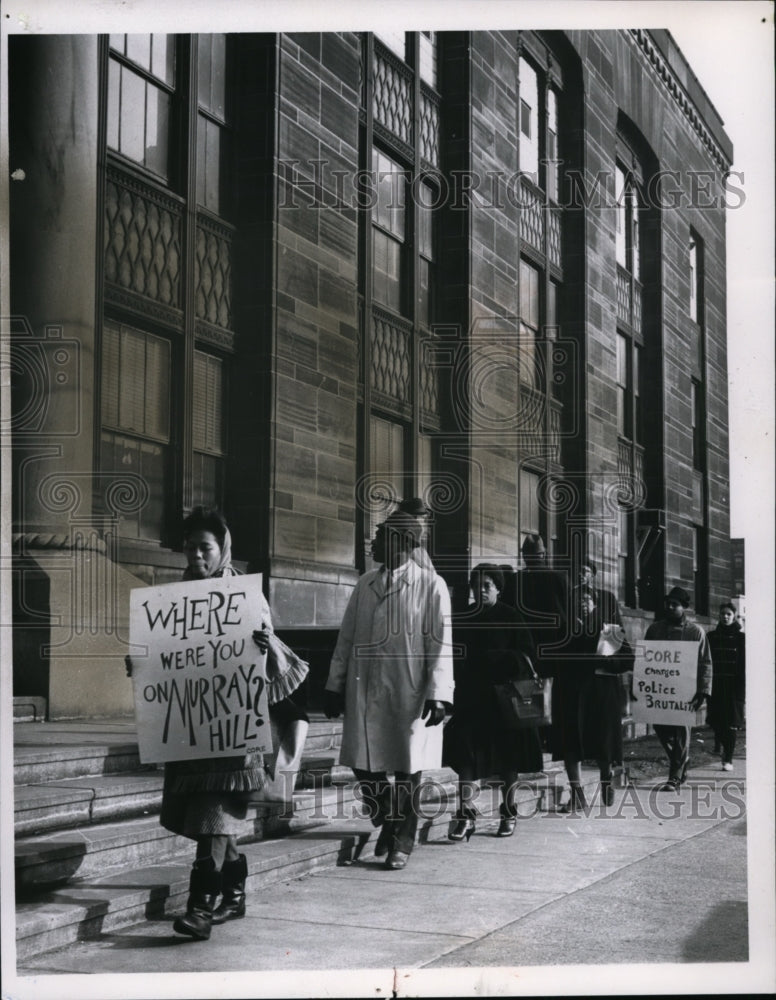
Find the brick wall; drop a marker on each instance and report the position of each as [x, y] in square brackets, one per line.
[313, 425]
[620, 78]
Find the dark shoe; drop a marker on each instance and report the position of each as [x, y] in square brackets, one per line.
[671, 785]
[204, 887]
[607, 793]
[397, 860]
[508, 821]
[385, 840]
[506, 827]
[462, 825]
[232, 905]
[576, 800]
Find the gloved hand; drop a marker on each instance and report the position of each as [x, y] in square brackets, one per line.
[333, 704]
[128, 665]
[261, 638]
[435, 710]
[698, 699]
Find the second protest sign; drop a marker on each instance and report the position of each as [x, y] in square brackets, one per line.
[199, 678]
[665, 676]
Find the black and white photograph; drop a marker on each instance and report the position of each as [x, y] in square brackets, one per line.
[387, 479]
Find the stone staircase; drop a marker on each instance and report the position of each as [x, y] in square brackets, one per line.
[91, 856]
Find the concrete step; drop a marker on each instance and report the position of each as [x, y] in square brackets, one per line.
[95, 798]
[35, 766]
[87, 851]
[324, 829]
[29, 708]
[55, 751]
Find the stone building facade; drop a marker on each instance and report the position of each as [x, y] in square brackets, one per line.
[301, 276]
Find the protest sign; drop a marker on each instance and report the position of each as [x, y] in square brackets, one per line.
[665, 676]
[199, 678]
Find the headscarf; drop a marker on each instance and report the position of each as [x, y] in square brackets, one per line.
[224, 567]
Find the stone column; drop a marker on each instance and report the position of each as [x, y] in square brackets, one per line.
[53, 83]
[70, 599]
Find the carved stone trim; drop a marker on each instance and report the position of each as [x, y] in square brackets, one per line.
[213, 335]
[24, 541]
[141, 306]
[678, 94]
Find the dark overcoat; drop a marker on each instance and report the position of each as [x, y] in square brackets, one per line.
[493, 645]
[728, 654]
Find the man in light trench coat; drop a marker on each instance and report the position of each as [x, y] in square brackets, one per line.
[392, 674]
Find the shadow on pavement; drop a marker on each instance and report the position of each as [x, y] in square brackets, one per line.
[722, 937]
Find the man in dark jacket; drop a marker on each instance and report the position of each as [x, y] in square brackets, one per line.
[543, 602]
[675, 626]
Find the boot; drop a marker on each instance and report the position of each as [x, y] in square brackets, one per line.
[607, 789]
[204, 887]
[232, 905]
[385, 838]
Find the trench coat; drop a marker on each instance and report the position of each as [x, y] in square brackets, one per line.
[394, 651]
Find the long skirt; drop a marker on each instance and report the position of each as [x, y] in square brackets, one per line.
[586, 717]
[475, 742]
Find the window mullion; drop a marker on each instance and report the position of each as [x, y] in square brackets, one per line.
[543, 347]
[185, 460]
[367, 144]
[413, 248]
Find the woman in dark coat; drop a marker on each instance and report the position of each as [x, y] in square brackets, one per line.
[476, 742]
[586, 693]
[726, 705]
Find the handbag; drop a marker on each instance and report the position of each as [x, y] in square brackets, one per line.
[524, 704]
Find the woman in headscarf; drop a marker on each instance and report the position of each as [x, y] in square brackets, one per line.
[207, 800]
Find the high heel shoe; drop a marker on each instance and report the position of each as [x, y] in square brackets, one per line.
[461, 826]
[576, 801]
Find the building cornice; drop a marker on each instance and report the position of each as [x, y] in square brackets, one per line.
[678, 94]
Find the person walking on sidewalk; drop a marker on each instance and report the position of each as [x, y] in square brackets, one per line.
[726, 705]
[542, 600]
[392, 675]
[675, 626]
[586, 705]
[477, 742]
[543, 603]
[206, 800]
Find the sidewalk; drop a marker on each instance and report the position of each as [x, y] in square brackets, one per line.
[660, 877]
